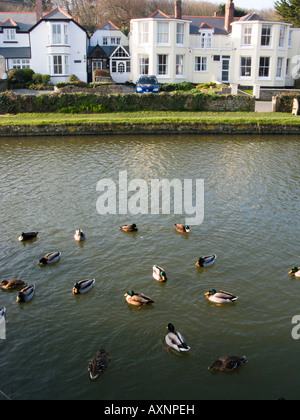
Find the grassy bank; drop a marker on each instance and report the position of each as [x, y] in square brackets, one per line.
[148, 123]
[151, 118]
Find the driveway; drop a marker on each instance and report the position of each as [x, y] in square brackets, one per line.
[261, 106]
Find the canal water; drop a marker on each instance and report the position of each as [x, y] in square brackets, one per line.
[251, 221]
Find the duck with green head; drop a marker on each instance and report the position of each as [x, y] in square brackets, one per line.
[175, 340]
[159, 274]
[137, 299]
[220, 296]
[295, 272]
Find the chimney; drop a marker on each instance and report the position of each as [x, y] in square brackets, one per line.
[229, 15]
[178, 9]
[39, 10]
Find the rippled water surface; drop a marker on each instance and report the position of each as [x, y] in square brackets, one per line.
[251, 222]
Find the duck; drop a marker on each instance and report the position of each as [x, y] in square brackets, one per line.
[175, 340]
[182, 228]
[26, 294]
[220, 296]
[27, 236]
[83, 286]
[129, 228]
[50, 258]
[206, 261]
[159, 274]
[12, 284]
[79, 236]
[137, 299]
[98, 364]
[295, 272]
[228, 363]
[2, 314]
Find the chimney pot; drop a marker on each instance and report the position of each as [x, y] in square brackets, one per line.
[39, 9]
[229, 15]
[178, 9]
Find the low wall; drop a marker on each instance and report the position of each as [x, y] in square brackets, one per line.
[284, 103]
[267, 94]
[99, 90]
[77, 102]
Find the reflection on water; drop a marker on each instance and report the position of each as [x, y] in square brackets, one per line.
[251, 223]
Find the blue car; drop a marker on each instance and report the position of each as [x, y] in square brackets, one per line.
[147, 84]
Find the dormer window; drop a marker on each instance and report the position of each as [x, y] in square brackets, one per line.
[59, 34]
[9, 34]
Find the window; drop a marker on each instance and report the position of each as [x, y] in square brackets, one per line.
[144, 33]
[66, 34]
[247, 36]
[217, 58]
[121, 68]
[162, 32]
[105, 40]
[115, 41]
[9, 34]
[290, 38]
[266, 35]
[200, 63]
[246, 66]
[279, 70]
[206, 40]
[21, 64]
[281, 36]
[264, 67]
[56, 34]
[162, 65]
[144, 64]
[179, 65]
[180, 33]
[287, 70]
[57, 64]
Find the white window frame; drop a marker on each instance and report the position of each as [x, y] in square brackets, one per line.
[59, 64]
[287, 69]
[279, 68]
[245, 65]
[9, 34]
[162, 65]
[247, 36]
[206, 40]
[267, 36]
[180, 32]
[163, 33]
[263, 67]
[143, 64]
[143, 33]
[200, 64]
[179, 65]
[282, 32]
[290, 38]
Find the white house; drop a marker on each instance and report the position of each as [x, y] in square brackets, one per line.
[239, 51]
[59, 47]
[52, 43]
[109, 49]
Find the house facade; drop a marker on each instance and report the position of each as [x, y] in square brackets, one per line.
[109, 49]
[239, 51]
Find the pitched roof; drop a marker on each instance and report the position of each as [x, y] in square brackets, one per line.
[24, 21]
[251, 17]
[57, 14]
[23, 52]
[10, 23]
[108, 26]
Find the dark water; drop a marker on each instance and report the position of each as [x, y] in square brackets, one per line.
[251, 222]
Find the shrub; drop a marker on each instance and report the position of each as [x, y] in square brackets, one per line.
[73, 78]
[46, 79]
[15, 76]
[28, 75]
[172, 87]
[37, 79]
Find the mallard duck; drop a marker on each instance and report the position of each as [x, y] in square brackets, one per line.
[220, 296]
[2, 313]
[228, 363]
[137, 299]
[175, 340]
[295, 272]
[83, 286]
[159, 274]
[98, 364]
[27, 236]
[79, 235]
[51, 258]
[182, 228]
[206, 261]
[26, 294]
[12, 284]
[129, 228]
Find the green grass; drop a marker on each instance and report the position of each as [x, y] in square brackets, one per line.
[151, 118]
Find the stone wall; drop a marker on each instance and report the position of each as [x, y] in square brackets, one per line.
[284, 103]
[100, 90]
[267, 94]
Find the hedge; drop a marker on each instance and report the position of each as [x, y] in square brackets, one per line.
[284, 103]
[77, 102]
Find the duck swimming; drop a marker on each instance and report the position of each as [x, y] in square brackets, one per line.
[182, 228]
[50, 258]
[295, 272]
[2, 313]
[83, 286]
[228, 363]
[12, 284]
[175, 340]
[26, 294]
[159, 274]
[220, 296]
[98, 364]
[137, 299]
[27, 236]
[129, 228]
[79, 235]
[206, 261]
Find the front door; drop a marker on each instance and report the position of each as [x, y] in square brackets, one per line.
[225, 71]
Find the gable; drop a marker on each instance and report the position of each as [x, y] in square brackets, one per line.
[120, 52]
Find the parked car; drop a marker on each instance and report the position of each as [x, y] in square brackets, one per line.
[147, 84]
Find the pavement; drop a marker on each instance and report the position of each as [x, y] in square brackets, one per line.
[261, 106]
